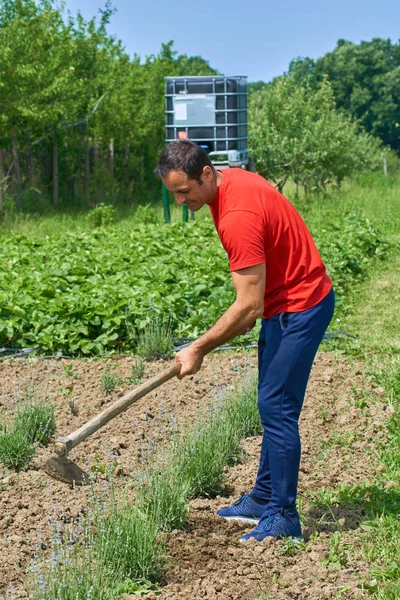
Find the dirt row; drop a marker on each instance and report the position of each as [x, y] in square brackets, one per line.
[342, 421]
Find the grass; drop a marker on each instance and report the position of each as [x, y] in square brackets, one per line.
[34, 424]
[124, 216]
[372, 314]
[118, 547]
[196, 461]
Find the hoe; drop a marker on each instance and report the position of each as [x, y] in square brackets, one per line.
[62, 468]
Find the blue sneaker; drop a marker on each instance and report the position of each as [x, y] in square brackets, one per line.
[278, 525]
[245, 509]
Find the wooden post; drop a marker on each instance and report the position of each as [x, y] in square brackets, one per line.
[17, 171]
[55, 171]
[384, 166]
[29, 161]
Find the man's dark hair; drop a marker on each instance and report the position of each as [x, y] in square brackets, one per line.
[183, 155]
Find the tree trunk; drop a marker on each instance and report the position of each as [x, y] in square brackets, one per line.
[111, 159]
[111, 167]
[29, 161]
[97, 168]
[55, 171]
[17, 171]
[127, 153]
[2, 180]
[86, 176]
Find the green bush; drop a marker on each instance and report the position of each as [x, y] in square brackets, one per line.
[101, 216]
[98, 290]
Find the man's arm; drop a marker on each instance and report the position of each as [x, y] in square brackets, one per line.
[238, 319]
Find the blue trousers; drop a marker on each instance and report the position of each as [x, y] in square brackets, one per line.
[286, 350]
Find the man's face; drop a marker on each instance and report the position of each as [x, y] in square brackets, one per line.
[190, 191]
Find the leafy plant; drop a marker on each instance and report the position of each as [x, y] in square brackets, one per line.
[101, 216]
[336, 554]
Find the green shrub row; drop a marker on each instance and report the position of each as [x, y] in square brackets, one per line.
[84, 293]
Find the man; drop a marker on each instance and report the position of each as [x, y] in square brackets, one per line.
[277, 274]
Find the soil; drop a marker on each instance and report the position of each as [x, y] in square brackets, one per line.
[342, 422]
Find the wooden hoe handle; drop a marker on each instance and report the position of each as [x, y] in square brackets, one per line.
[64, 444]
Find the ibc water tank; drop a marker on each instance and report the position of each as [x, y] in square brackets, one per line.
[211, 111]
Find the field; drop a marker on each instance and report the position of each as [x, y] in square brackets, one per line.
[349, 495]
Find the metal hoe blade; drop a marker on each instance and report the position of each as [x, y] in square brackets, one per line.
[64, 469]
[60, 467]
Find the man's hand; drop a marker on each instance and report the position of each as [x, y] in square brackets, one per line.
[191, 360]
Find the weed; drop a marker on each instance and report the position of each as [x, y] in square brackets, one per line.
[325, 414]
[155, 341]
[290, 547]
[16, 450]
[68, 369]
[342, 440]
[108, 382]
[336, 554]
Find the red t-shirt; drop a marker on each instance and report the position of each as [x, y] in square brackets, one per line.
[256, 224]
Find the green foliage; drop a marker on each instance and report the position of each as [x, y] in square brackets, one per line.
[348, 245]
[296, 131]
[215, 442]
[70, 94]
[366, 80]
[127, 543]
[85, 292]
[102, 215]
[337, 556]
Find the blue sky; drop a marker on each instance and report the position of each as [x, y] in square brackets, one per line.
[254, 38]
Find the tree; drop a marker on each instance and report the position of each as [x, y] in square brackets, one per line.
[295, 131]
[366, 80]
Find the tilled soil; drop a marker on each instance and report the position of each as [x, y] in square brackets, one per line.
[341, 423]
